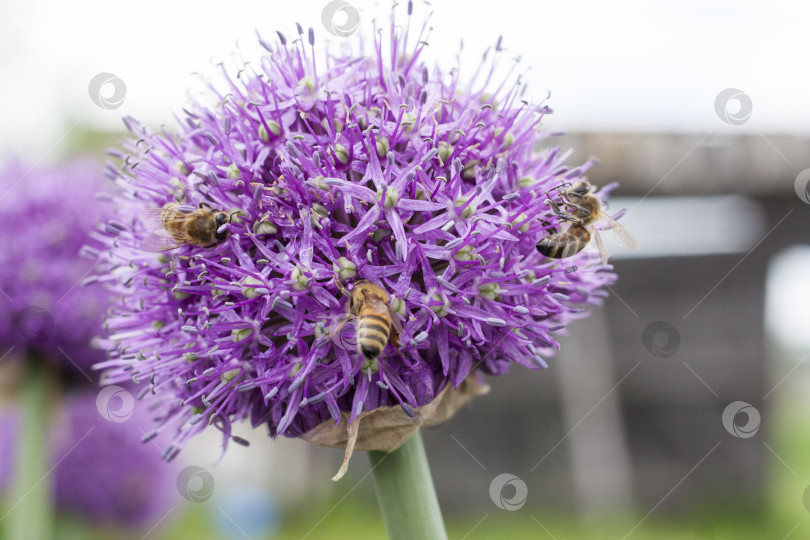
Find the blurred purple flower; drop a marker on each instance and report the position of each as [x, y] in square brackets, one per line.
[48, 214]
[362, 164]
[101, 471]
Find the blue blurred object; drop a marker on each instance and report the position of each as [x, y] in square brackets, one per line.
[246, 511]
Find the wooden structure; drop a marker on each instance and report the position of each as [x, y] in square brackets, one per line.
[611, 426]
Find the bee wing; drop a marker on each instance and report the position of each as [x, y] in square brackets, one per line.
[397, 327]
[160, 240]
[376, 305]
[152, 217]
[616, 231]
[177, 213]
[600, 245]
[395, 322]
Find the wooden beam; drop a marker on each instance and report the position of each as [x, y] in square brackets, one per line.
[691, 164]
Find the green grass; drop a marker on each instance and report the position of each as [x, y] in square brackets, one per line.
[350, 521]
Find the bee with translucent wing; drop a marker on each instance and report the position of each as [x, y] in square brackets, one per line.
[587, 221]
[181, 225]
[376, 321]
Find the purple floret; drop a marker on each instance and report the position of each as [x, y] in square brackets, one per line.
[363, 164]
[47, 214]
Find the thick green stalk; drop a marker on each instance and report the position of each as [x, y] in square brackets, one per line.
[29, 510]
[405, 493]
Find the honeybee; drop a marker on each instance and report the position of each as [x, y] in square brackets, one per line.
[376, 321]
[587, 219]
[181, 225]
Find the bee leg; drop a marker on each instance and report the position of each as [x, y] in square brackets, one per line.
[554, 206]
[578, 207]
[560, 213]
[573, 219]
[561, 187]
[341, 287]
[565, 215]
[204, 204]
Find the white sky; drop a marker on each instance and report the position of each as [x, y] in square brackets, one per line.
[620, 65]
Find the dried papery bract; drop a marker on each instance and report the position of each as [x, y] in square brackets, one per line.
[388, 428]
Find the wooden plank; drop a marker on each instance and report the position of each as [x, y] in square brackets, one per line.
[686, 164]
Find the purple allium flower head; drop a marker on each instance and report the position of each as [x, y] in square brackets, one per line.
[366, 163]
[101, 472]
[48, 214]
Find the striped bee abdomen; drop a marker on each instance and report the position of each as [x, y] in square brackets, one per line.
[565, 244]
[373, 332]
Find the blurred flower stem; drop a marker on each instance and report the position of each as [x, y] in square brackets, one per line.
[30, 510]
[406, 494]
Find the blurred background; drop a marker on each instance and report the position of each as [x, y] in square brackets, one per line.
[676, 410]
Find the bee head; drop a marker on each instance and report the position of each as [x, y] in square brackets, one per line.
[221, 219]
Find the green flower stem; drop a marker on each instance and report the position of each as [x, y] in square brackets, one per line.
[29, 507]
[405, 493]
